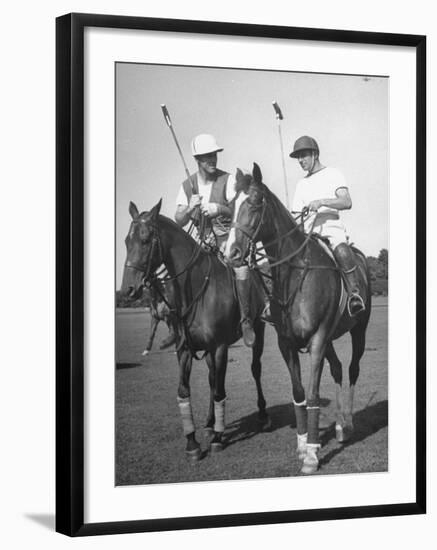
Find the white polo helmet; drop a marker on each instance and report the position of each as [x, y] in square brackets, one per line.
[203, 144]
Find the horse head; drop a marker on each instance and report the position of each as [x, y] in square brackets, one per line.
[143, 251]
[249, 211]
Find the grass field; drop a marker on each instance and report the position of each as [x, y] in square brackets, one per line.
[149, 440]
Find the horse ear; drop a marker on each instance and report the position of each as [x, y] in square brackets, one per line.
[133, 210]
[156, 209]
[239, 179]
[256, 173]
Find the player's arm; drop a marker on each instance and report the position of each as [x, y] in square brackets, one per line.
[342, 201]
[213, 209]
[184, 211]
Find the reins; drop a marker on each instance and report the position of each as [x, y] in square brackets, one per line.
[160, 277]
[254, 256]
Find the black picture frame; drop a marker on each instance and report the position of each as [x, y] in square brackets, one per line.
[70, 488]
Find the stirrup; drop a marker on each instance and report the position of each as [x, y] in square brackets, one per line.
[266, 315]
[360, 305]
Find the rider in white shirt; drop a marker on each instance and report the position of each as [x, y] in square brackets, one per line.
[325, 193]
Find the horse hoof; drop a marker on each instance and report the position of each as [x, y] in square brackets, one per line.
[194, 456]
[343, 434]
[145, 352]
[309, 468]
[301, 454]
[216, 447]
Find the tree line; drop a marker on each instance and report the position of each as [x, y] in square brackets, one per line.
[379, 272]
[378, 275]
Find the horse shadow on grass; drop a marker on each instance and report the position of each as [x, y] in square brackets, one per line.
[246, 427]
[120, 366]
[367, 422]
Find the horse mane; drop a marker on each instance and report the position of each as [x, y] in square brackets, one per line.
[164, 220]
[277, 205]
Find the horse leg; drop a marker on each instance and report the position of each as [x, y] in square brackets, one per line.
[317, 356]
[291, 357]
[220, 362]
[210, 419]
[171, 337]
[192, 449]
[257, 350]
[154, 321]
[358, 334]
[341, 433]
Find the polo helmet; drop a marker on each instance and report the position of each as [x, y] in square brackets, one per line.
[304, 143]
[203, 144]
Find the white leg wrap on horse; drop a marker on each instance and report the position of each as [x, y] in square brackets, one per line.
[219, 413]
[302, 445]
[186, 415]
[312, 452]
[311, 460]
[241, 273]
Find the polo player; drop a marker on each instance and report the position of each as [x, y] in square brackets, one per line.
[211, 190]
[325, 193]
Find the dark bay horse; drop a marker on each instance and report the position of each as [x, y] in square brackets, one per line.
[206, 309]
[305, 304]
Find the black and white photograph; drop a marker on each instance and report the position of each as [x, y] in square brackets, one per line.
[252, 253]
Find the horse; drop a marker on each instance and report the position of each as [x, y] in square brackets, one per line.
[206, 311]
[160, 311]
[307, 290]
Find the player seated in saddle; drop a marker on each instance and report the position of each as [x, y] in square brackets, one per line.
[211, 190]
[325, 193]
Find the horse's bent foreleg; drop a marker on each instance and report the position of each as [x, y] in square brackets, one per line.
[358, 334]
[291, 357]
[171, 337]
[342, 433]
[256, 367]
[192, 449]
[154, 321]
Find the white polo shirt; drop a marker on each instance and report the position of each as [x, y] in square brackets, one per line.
[322, 185]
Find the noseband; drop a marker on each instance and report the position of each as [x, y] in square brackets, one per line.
[246, 230]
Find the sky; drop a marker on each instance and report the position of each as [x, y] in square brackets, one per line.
[346, 114]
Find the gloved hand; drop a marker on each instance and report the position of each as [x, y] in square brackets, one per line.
[194, 201]
[210, 209]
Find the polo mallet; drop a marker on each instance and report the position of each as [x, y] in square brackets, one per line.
[170, 125]
[280, 117]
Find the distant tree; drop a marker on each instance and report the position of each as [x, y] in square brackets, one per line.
[373, 264]
[383, 261]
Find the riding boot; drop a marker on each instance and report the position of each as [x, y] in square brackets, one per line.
[344, 256]
[243, 291]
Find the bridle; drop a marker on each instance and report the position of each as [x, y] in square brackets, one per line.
[252, 256]
[157, 278]
[250, 251]
[156, 242]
